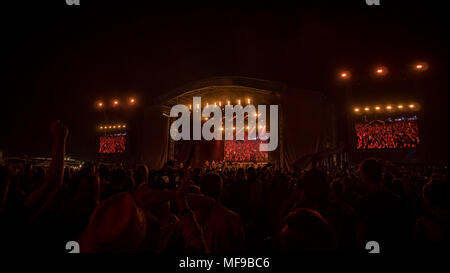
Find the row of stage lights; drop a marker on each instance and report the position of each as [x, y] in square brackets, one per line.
[116, 102]
[379, 71]
[383, 70]
[220, 103]
[388, 108]
[106, 127]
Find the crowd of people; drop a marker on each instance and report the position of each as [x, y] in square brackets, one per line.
[221, 208]
[388, 135]
[112, 143]
[244, 150]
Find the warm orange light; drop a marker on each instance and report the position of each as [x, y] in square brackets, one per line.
[344, 75]
[100, 104]
[220, 103]
[379, 70]
[116, 102]
[400, 106]
[248, 101]
[190, 106]
[110, 127]
[389, 107]
[239, 102]
[419, 66]
[228, 102]
[132, 100]
[377, 108]
[101, 127]
[123, 126]
[412, 106]
[356, 110]
[234, 128]
[366, 109]
[221, 129]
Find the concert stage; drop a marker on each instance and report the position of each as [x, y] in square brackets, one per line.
[303, 121]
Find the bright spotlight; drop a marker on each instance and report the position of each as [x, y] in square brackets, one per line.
[116, 102]
[100, 104]
[412, 106]
[400, 106]
[377, 108]
[381, 71]
[356, 109]
[389, 107]
[248, 101]
[366, 109]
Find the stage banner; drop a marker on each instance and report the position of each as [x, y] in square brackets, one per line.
[302, 120]
[156, 134]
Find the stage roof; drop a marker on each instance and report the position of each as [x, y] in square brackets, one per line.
[221, 89]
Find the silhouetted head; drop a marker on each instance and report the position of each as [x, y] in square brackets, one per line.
[435, 195]
[371, 173]
[118, 179]
[337, 188]
[306, 230]
[141, 174]
[251, 173]
[240, 174]
[211, 185]
[315, 184]
[88, 168]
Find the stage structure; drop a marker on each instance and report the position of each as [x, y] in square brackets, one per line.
[305, 124]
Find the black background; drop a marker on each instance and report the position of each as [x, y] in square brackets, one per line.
[60, 59]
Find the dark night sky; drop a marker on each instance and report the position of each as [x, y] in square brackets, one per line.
[60, 59]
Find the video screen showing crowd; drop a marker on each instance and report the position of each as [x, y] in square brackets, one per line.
[244, 151]
[114, 143]
[398, 133]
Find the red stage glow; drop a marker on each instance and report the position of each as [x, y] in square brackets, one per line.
[244, 151]
[112, 143]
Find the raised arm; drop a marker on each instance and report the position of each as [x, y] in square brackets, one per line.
[38, 200]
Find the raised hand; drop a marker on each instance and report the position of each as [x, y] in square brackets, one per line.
[59, 132]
